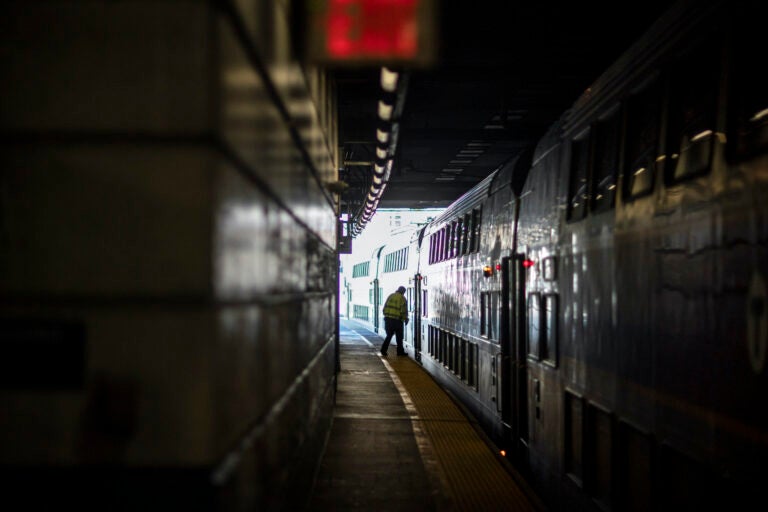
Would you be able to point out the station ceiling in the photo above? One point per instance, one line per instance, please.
(504, 72)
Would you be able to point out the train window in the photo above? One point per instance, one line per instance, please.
(424, 303)
(599, 430)
(454, 238)
(471, 233)
(606, 162)
(483, 314)
(468, 363)
(460, 236)
(549, 330)
(473, 354)
(360, 312)
(489, 315)
(476, 220)
(691, 114)
(534, 324)
(441, 346)
(634, 452)
(431, 337)
(432, 248)
(748, 119)
(453, 362)
(456, 228)
(457, 356)
(447, 236)
(577, 190)
(361, 269)
(446, 349)
(642, 140)
(465, 234)
(441, 245)
(463, 360)
(574, 437)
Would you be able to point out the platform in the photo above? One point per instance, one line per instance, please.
(400, 443)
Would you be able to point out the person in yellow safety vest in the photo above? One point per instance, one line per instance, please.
(395, 316)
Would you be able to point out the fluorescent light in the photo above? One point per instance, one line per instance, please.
(385, 111)
(381, 136)
(388, 80)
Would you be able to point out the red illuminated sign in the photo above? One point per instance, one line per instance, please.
(366, 31)
(372, 28)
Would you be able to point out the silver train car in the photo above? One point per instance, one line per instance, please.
(599, 303)
(168, 257)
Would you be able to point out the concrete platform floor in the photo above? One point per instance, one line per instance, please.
(381, 454)
(372, 461)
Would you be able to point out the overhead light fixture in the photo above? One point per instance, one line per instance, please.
(378, 169)
(382, 136)
(381, 153)
(389, 80)
(377, 179)
(385, 111)
(452, 170)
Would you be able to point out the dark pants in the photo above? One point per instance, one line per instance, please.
(393, 327)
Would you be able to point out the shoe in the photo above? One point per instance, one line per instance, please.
(383, 354)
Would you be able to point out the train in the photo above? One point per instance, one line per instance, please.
(598, 302)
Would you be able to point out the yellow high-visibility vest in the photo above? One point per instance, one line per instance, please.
(396, 307)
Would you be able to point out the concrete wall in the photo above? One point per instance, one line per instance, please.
(167, 254)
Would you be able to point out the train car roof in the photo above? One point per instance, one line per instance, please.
(511, 173)
(467, 201)
(637, 64)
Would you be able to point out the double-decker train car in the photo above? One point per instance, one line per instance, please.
(374, 278)
(599, 304)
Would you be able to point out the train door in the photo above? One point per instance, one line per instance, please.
(376, 305)
(416, 319)
(514, 379)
